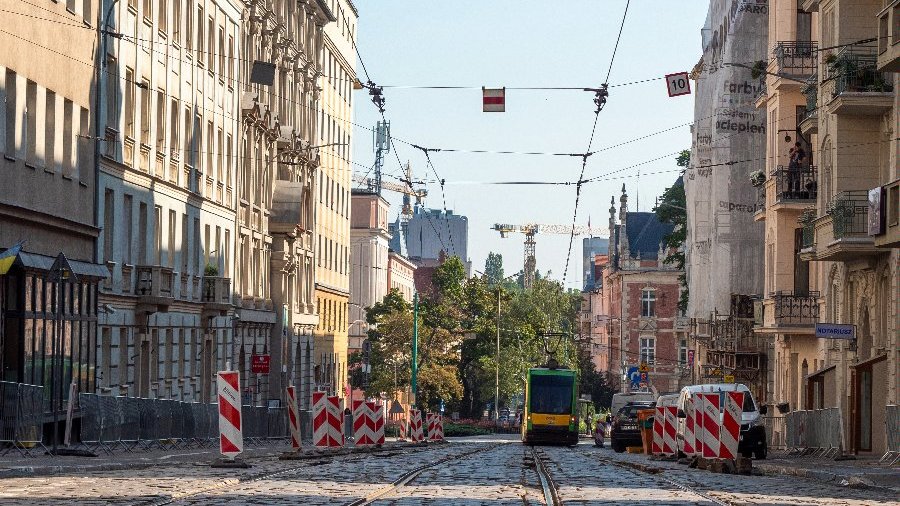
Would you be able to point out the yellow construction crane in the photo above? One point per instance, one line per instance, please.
(532, 229)
(405, 188)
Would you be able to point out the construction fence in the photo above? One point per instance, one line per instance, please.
(892, 433)
(815, 432)
(109, 423)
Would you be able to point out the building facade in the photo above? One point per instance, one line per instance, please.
(640, 323)
(401, 275)
(431, 232)
(332, 206)
(590, 248)
(850, 233)
(369, 263)
(47, 199)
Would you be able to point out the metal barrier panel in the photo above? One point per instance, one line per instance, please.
(212, 411)
(148, 429)
(91, 418)
(173, 411)
(111, 423)
(188, 431)
(9, 401)
(29, 425)
(131, 419)
(201, 421)
(892, 428)
(775, 432)
(163, 419)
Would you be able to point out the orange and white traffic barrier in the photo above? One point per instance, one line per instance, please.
(293, 417)
(730, 431)
(698, 424)
(670, 420)
(416, 434)
(376, 414)
(439, 427)
(709, 412)
(327, 421)
(231, 437)
(402, 435)
(689, 443)
(656, 445)
(363, 424)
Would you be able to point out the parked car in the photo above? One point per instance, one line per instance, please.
(752, 442)
(619, 400)
(625, 431)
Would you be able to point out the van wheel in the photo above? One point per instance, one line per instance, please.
(747, 454)
(618, 448)
(761, 453)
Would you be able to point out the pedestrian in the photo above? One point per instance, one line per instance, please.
(797, 159)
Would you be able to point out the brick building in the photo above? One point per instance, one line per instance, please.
(639, 321)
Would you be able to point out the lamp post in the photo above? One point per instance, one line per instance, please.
(497, 356)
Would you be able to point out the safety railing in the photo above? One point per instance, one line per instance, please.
(796, 58)
(796, 308)
(776, 433)
(131, 423)
(855, 69)
(21, 418)
(892, 435)
(850, 213)
(795, 183)
(817, 432)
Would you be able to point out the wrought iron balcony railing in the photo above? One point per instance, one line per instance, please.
(796, 309)
(795, 183)
(849, 212)
(808, 235)
(797, 58)
(855, 69)
(811, 90)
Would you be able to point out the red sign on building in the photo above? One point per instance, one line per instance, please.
(259, 364)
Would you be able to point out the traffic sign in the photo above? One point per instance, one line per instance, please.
(729, 378)
(644, 367)
(678, 84)
(633, 376)
(493, 99)
(645, 377)
(259, 364)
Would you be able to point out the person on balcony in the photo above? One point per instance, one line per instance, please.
(795, 165)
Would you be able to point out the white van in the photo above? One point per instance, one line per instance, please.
(752, 442)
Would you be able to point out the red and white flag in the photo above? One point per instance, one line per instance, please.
(493, 99)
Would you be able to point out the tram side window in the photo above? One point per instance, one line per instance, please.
(551, 394)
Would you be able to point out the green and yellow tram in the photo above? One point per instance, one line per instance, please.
(551, 407)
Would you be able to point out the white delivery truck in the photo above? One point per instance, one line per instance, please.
(752, 442)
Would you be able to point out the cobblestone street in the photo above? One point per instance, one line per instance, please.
(468, 472)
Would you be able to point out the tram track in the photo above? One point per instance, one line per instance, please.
(548, 485)
(409, 476)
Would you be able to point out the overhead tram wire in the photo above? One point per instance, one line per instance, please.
(600, 100)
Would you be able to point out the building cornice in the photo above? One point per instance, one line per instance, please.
(46, 220)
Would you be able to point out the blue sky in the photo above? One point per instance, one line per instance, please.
(528, 43)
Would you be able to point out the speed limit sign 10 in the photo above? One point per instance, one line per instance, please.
(678, 84)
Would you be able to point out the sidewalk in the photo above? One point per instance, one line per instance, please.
(14, 465)
(862, 472)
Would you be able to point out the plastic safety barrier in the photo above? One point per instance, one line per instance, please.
(816, 432)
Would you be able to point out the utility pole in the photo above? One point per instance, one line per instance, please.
(497, 372)
(415, 352)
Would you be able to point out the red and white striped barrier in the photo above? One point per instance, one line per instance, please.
(416, 434)
(656, 444)
(430, 427)
(709, 413)
(293, 417)
(327, 421)
(402, 435)
(698, 424)
(440, 427)
(670, 414)
(689, 443)
(363, 424)
(730, 431)
(377, 417)
(231, 437)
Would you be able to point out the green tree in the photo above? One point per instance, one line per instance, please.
(493, 268)
(672, 208)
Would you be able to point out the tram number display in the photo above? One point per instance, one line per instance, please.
(678, 84)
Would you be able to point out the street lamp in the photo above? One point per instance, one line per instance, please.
(497, 358)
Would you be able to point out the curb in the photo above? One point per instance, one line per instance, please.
(840, 480)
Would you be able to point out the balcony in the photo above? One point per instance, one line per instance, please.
(857, 87)
(889, 37)
(795, 185)
(796, 58)
(808, 122)
(842, 234)
(216, 294)
(794, 310)
(154, 287)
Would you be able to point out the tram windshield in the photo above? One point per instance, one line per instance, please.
(551, 394)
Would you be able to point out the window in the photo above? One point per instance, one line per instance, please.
(648, 303)
(176, 20)
(173, 217)
(162, 15)
(188, 28)
(175, 142)
(157, 234)
(127, 210)
(221, 53)
(145, 112)
(185, 256)
(208, 144)
(108, 224)
(200, 19)
(160, 122)
(112, 93)
(210, 44)
(30, 126)
(129, 103)
(9, 109)
(147, 10)
(229, 160)
(682, 352)
(229, 65)
(220, 158)
(50, 132)
(648, 350)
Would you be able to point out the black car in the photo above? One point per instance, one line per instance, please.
(625, 430)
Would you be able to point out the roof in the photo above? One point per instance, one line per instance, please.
(44, 263)
(645, 234)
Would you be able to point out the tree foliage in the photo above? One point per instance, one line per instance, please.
(672, 208)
